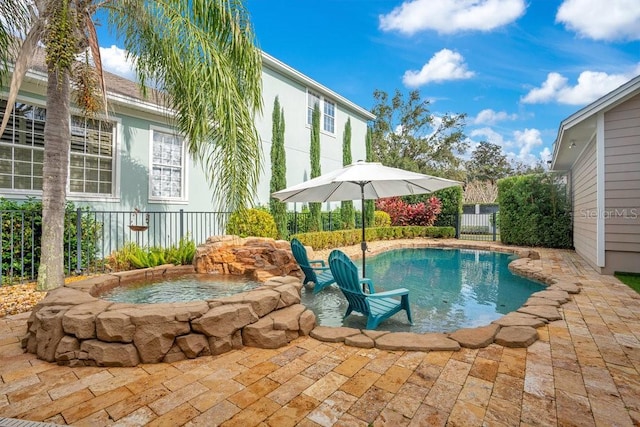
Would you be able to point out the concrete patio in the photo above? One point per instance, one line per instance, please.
(584, 371)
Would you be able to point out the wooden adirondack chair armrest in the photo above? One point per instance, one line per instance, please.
(317, 261)
(394, 293)
(369, 283)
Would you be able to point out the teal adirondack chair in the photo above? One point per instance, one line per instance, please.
(320, 276)
(376, 306)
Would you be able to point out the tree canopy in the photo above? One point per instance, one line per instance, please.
(488, 163)
(407, 135)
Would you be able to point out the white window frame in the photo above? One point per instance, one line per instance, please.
(74, 196)
(114, 163)
(326, 116)
(183, 199)
(322, 103)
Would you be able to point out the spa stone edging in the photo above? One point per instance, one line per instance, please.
(515, 329)
(71, 326)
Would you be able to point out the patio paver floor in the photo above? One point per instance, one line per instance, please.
(584, 370)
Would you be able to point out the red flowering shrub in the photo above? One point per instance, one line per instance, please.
(402, 213)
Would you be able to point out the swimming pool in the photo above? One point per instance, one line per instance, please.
(190, 287)
(449, 289)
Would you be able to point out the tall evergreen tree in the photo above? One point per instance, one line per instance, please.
(278, 169)
(314, 208)
(346, 209)
(369, 205)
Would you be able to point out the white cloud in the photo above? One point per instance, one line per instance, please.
(489, 135)
(602, 20)
(520, 146)
(526, 141)
(444, 65)
(490, 117)
(115, 61)
(591, 85)
(451, 16)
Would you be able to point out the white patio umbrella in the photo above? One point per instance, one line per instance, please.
(365, 181)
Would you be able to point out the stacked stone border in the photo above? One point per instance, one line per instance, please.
(71, 326)
(515, 329)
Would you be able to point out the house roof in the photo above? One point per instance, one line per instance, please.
(125, 91)
(575, 132)
(119, 89)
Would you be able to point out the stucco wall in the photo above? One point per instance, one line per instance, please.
(293, 99)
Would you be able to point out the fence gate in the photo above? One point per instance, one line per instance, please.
(480, 222)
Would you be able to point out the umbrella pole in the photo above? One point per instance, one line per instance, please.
(363, 243)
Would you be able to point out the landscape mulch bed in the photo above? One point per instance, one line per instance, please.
(15, 299)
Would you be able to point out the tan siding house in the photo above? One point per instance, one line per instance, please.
(584, 201)
(600, 147)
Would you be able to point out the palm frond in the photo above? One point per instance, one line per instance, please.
(97, 59)
(20, 68)
(202, 54)
(13, 28)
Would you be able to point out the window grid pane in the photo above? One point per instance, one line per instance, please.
(329, 116)
(22, 148)
(168, 166)
(22, 151)
(91, 146)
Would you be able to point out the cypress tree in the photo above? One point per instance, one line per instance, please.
(369, 205)
(347, 213)
(314, 208)
(278, 169)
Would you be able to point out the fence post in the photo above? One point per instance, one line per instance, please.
(295, 222)
(494, 225)
(458, 225)
(78, 240)
(182, 224)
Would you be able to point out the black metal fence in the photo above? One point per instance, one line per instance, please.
(92, 236)
(479, 227)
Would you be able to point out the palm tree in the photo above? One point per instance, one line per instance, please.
(199, 54)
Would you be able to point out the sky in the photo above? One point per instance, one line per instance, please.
(516, 68)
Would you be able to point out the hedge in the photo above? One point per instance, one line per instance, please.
(333, 239)
(535, 210)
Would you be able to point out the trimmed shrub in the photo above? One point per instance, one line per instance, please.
(451, 199)
(535, 210)
(451, 204)
(381, 219)
(252, 222)
(401, 213)
(334, 239)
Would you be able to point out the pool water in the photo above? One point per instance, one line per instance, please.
(449, 289)
(191, 287)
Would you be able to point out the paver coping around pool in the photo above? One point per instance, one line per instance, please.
(515, 329)
(268, 317)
